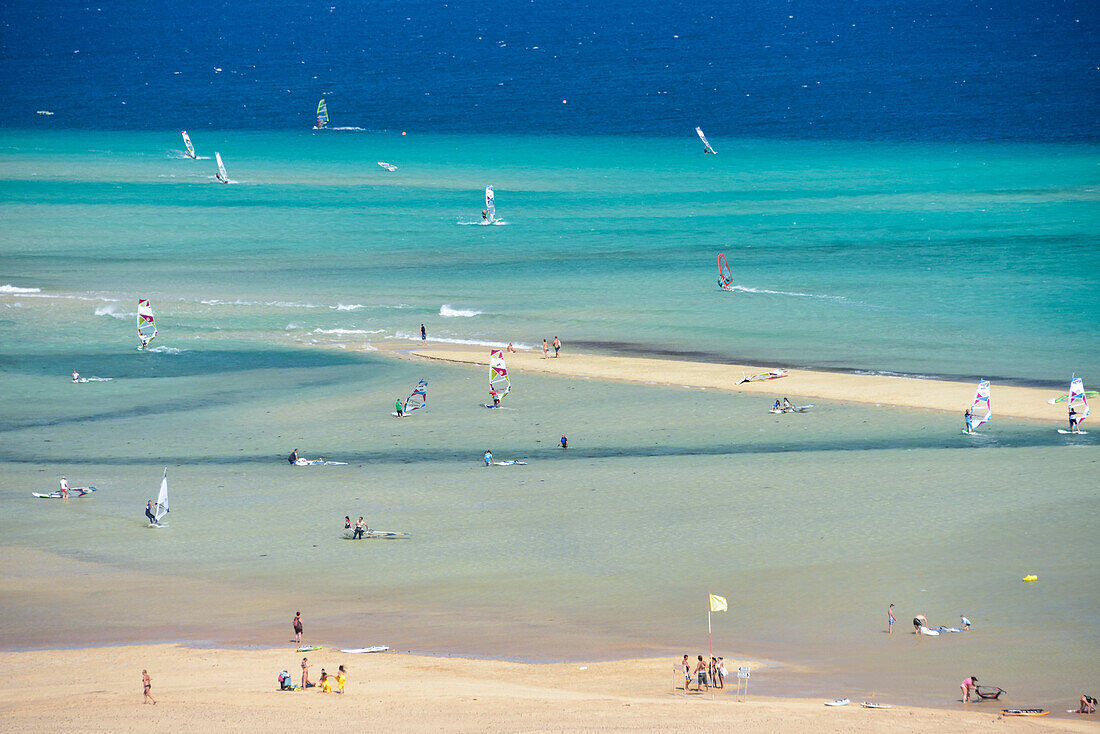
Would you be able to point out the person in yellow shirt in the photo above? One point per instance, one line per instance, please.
(326, 682)
(341, 679)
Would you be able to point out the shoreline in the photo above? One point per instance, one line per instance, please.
(948, 396)
(195, 687)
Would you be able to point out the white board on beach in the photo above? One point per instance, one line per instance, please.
(743, 671)
(376, 648)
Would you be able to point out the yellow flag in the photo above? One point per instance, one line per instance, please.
(718, 603)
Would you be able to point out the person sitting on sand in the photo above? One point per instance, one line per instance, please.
(777, 407)
(787, 404)
(1088, 704)
(341, 679)
(968, 685)
(511, 348)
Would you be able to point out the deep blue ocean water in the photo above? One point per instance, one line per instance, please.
(927, 70)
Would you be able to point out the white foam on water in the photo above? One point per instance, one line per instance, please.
(166, 350)
(450, 340)
(9, 288)
(114, 311)
(348, 307)
(447, 312)
(747, 289)
(348, 331)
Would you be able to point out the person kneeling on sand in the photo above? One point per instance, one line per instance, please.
(326, 682)
(1088, 704)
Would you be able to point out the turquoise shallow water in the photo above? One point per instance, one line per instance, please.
(974, 260)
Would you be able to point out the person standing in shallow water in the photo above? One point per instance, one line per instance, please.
(890, 618)
(423, 333)
(297, 624)
(557, 346)
(564, 441)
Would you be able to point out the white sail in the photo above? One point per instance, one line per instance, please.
(1078, 400)
(490, 204)
(980, 409)
(187, 142)
(706, 145)
(162, 498)
(146, 326)
(222, 175)
(499, 384)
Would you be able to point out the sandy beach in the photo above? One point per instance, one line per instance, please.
(901, 392)
(99, 689)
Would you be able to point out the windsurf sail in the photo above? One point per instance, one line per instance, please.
(1078, 401)
(162, 499)
(147, 328)
(770, 375)
(418, 399)
(725, 276)
(322, 114)
(222, 175)
(187, 142)
(490, 204)
(980, 410)
(706, 145)
(499, 384)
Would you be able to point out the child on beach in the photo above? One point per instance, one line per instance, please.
(326, 682)
(147, 683)
(545, 350)
(341, 679)
(965, 622)
(967, 686)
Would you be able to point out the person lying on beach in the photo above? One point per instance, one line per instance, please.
(1088, 704)
(967, 686)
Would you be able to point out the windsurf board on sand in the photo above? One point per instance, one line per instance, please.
(308, 648)
(376, 648)
(350, 535)
(509, 462)
(928, 631)
(1064, 432)
(1024, 712)
(872, 705)
(792, 409)
(838, 702)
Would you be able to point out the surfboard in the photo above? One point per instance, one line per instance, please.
(308, 648)
(947, 629)
(376, 648)
(838, 702)
(929, 631)
(509, 462)
(73, 492)
(1064, 432)
(1024, 712)
(870, 705)
(350, 535)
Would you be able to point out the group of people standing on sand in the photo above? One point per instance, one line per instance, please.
(707, 675)
(546, 348)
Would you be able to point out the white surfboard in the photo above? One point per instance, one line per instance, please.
(838, 702)
(929, 631)
(376, 648)
(1064, 432)
(872, 705)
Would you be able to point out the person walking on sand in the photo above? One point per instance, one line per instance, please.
(557, 346)
(297, 624)
(305, 674)
(423, 333)
(687, 672)
(890, 619)
(701, 675)
(545, 350)
(147, 684)
(967, 686)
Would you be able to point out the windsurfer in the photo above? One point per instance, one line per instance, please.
(969, 421)
(484, 216)
(400, 408)
(149, 513)
(1073, 428)
(293, 458)
(496, 398)
(360, 527)
(564, 441)
(488, 457)
(787, 404)
(76, 376)
(64, 488)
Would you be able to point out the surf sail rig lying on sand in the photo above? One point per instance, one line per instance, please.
(187, 143)
(980, 410)
(162, 501)
(322, 114)
(146, 327)
(770, 375)
(706, 145)
(490, 204)
(499, 384)
(1078, 402)
(222, 175)
(725, 275)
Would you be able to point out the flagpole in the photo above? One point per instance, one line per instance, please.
(710, 638)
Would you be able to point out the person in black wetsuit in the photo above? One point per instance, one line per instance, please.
(149, 513)
(564, 441)
(293, 458)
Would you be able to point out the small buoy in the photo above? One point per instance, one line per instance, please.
(1031, 577)
(402, 132)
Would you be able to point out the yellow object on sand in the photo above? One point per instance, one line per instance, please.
(340, 680)
(1031, 577)
(326, 687)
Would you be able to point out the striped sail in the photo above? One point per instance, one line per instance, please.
(1078, 400)
(499, 384)
(146, 326)
(322, 113)
(980, 409)
(490, 203)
